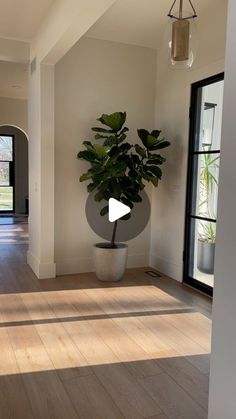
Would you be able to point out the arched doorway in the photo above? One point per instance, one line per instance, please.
(14, 182)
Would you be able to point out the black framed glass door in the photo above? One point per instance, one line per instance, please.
(202, 182)
(6, 174)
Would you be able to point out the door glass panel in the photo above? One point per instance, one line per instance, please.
(6, 148)
(202, 194)
(211, 102)
(206, 175)
(6, 198)
(4, 173)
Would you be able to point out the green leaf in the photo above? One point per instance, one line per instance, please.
(125, 129)
(121, 138)
(143, 134)
(140, 150)
(155, 157)
(156, 133)
(135, 160)
(99, 196)
(86, 155)
(101, 151)
(85, 176)
(125, 183)
(127, 201)
(154, 181)
(126, 217)
(155, 170)
(160, 145)
(142, 186)
(151, 141)
(104, 210)
(102, 130)
(115, 120)
(109, 142)
(114, 151)
(99, 136)
(92, 186)
(118, 169)
(137, 198)
(156, 161)
(104, 185)
(124, 148)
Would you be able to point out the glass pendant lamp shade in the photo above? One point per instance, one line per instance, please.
(181, 37)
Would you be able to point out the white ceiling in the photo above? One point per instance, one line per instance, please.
(13, 80)
(141, 22)
(20, 19)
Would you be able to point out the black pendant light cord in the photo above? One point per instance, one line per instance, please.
(176, 17)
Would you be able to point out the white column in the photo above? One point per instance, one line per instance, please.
(41, 171)
(65, 23)
(222, 401)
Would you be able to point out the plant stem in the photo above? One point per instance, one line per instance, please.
(114, 234)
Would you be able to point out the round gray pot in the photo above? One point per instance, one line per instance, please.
(110, 263)
(206, 257)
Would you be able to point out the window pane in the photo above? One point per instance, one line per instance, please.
(4, 174)
(6, 199)
(202, 251)
(205, 188)
(210, 117)
(6, 148)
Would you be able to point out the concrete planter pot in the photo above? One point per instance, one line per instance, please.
(206, 257)
(110, 263)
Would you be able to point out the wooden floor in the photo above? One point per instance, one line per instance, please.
(77, 348)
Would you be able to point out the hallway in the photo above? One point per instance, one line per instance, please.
(14, 233)
(73, 346)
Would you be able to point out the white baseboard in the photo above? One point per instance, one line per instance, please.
(41, 270)
(83, 265)
(168, 268)
(74, 266)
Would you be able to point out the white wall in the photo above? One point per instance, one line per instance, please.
(14, 112)
(172, 116)
(93, 78)
(223, 366)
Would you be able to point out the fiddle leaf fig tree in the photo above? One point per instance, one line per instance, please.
(119, 169)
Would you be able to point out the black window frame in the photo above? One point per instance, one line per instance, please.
(194, 117)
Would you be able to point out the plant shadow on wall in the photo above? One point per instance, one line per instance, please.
(119, 170)
(207, 203)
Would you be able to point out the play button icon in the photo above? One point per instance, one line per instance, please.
(117, 210)
(127, 230)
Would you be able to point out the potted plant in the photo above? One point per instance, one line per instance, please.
(207, 230)
(120, 170)
(206, 247)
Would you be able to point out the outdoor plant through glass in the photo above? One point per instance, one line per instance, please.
(118, 168)
(208, 195)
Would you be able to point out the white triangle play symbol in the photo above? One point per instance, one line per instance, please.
(117, 210)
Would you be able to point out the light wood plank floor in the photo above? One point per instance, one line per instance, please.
(77, 348)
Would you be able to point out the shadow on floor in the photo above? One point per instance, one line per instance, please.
(165, 388)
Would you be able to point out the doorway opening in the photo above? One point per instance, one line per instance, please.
(13, 185)
(202, 182)
(7, 171)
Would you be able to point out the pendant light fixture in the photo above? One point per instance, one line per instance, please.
(182, 35)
